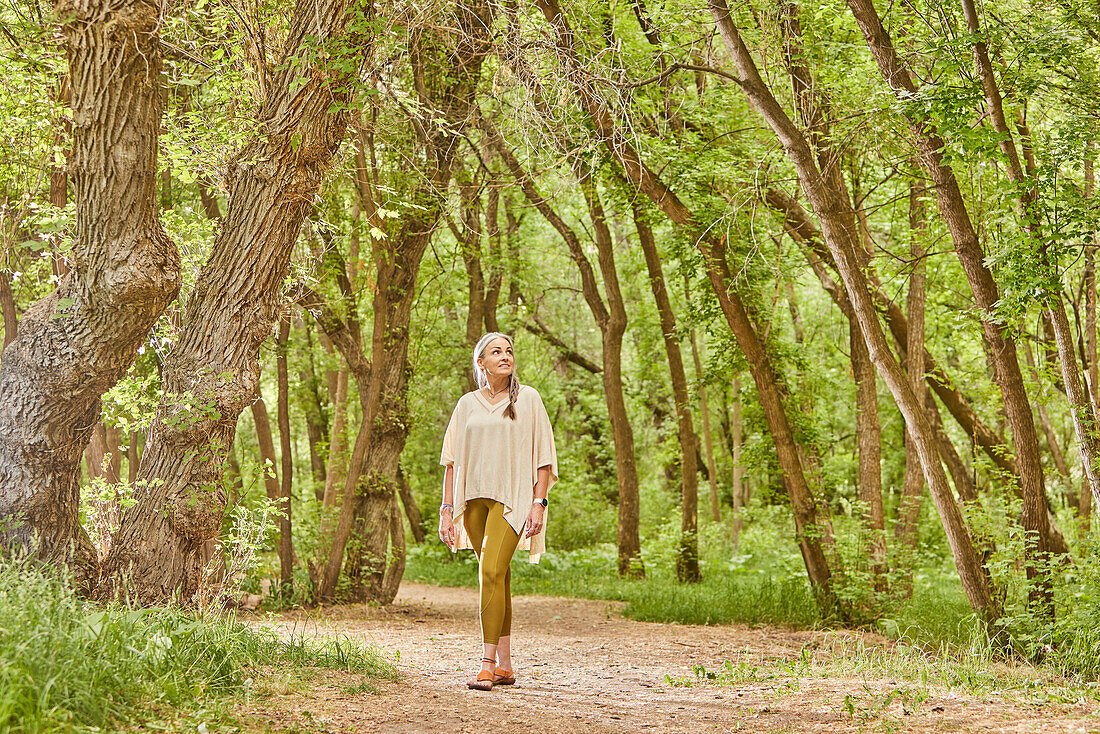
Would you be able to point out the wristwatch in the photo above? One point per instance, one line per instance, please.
(544, 502)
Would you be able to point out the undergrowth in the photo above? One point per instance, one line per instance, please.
(70, 665)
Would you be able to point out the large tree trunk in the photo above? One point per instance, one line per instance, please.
(77, 342)
(687, 564)
(839, 228)
(212, 374)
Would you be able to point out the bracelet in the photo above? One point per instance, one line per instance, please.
(446, 506)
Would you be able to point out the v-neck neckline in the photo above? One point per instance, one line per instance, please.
(491, 407)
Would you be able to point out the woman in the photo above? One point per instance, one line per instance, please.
(501, 462)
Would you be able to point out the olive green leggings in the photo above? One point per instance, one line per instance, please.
(494, 541)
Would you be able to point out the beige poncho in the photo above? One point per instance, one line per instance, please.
(499, 458)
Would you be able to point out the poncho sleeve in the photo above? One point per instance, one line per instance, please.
(545, 453)
(450, 438)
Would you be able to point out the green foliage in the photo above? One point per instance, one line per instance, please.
(66, 664)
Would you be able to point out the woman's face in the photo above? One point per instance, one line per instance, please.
(498, 359)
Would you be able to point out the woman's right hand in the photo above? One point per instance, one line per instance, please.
(447, 528)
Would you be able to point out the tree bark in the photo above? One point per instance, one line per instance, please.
(687, 563)
(839, 228)
(285, 546)
(213, 372)
(77, 342)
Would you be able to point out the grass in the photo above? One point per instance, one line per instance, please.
(745, 597)
(69, 665)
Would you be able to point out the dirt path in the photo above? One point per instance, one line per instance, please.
(581, 667)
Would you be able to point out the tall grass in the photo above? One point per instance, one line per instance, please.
(67, 664)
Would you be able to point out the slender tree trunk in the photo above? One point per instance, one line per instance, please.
(1084, 507)
(412, 512)
(446, 81)
(7, 306)
(610, 317)
(286, 542)
(912, 492)
(809, 529)
(235, 302)
(687, 564)
(708, 438)
(268, 459)
(799, 226)
(77, 342)
(840, 233)
(315, 418)
(1001, 347)
(736, 441)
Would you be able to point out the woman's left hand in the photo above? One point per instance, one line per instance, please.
(535, 521)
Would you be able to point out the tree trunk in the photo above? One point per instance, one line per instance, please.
(264, 437)
(1084, 507)
(613, 327)
(912, 493)
(799, 226)
(412, 512)
(446, 81)
(687, 564)
(736, 440)
(1001, 347)
(611, 320)
(315, 418)
(235, 304)
(77, 342)
(839, 228)
(708, 438)
(286, 543)
(809, 530)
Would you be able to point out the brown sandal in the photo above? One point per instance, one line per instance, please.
(484, 680)
(504, 677)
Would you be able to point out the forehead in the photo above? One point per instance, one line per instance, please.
(498, 343)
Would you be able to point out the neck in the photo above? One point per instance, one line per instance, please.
(498, 384)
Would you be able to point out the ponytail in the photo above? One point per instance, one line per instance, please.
(513, 395)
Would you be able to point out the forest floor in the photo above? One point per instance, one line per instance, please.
(582, 667)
